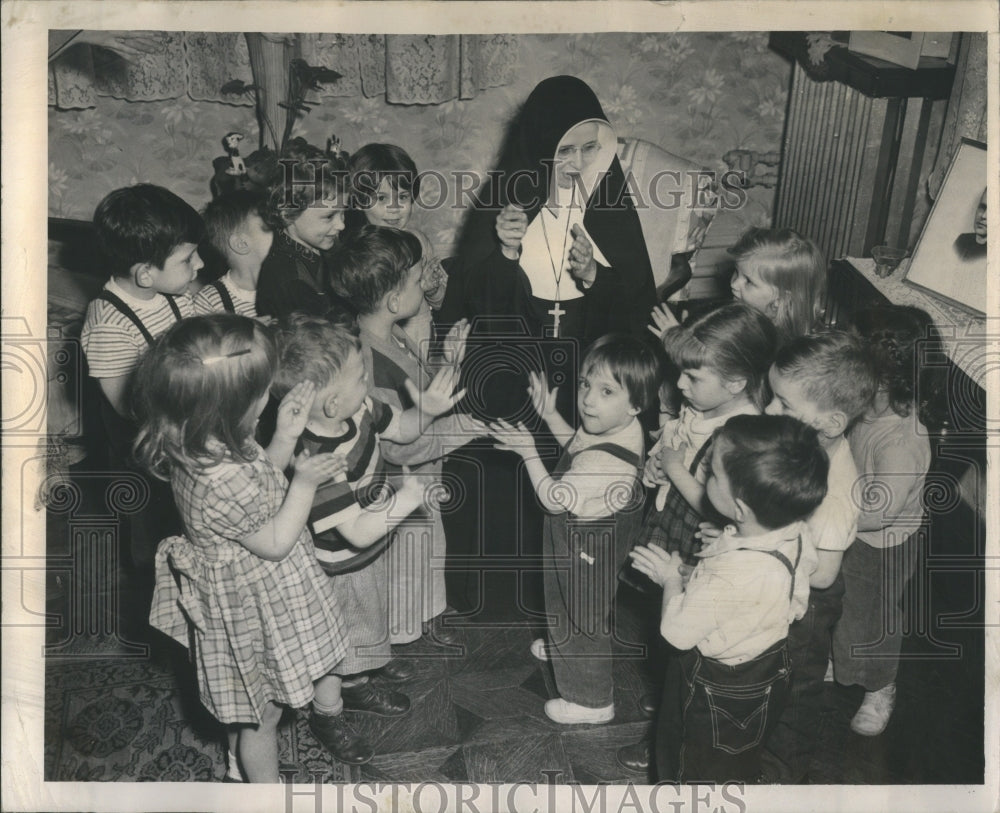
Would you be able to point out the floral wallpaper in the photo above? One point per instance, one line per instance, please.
(697, 95)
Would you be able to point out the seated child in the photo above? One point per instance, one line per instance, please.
(384, 185)
(378, 271)
(235, 228)
(827, 382)
(150, 238)
(305, 206)
(351, 517)
(892, 451)
(722, 694)
(592, 510)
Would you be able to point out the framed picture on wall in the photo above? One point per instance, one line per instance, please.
(950, 257)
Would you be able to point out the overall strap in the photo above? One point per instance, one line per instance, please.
(777, 554)
(699, 456)
(118, 303)
(227, 300)
(614, 450)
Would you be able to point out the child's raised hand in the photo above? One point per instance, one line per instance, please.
(293, 411)
(661, 567)
(319, 468)
(582, 264)
(512, 223)
(515, 439)
(453, 347)
(440, 395)
(663, 320)
(543, 399)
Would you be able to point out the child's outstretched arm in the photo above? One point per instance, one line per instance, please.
(518, 439)
(278, 536)
(438, 398)
(293, 414)
(685, 619)
(544, 401)
(369, 525)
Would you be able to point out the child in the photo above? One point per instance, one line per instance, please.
(305, 207)
(384, 184)
(244, 585)
(150, 239)
(827, 382)
(592, 510)
(723, 359)
(236, 230)
(892, 452)
(378, 271)
(780, 273)
(351, 518)
(731, 618)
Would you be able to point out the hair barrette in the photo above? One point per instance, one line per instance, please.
(208, 361)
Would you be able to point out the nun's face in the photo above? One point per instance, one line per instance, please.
(576, 152)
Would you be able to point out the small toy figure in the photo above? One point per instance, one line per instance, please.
(231, 142)
(335, 149)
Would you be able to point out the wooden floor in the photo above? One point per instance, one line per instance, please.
(120, 704)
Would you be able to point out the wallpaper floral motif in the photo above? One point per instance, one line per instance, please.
(697, 95)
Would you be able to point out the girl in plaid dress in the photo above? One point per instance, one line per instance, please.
(243, 590)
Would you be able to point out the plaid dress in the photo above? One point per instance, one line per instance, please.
(258, 631)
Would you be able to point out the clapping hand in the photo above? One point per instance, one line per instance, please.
(319, 468)
(453, 346)
(661, 567)
(440, 395)
(543, 399)
(663, 320)
(510, 438)
(512, 223)
(293, 411)
(582, 264)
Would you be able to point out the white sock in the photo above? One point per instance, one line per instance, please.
(327, 711)
(233, 768)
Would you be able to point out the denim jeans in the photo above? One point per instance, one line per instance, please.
(789, 748)
(714, 718)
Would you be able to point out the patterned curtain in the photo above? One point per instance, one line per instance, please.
(405, 69)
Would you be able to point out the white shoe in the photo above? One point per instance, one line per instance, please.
(828, 677)
(562, 711)
(875, 711)
(540, 649)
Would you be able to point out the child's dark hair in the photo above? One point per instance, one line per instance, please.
(374, 163)
(737, 341)
(144, 224)
(196, 387)
(374, 261)
(833, 370)
(775, 464)
(795, 266)
(897, 337)
(631, 363)
(227, 214)
(311, 349)
(305, 176)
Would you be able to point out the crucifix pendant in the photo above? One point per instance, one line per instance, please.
(556, 312)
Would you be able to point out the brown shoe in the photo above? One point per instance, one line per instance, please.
(436, 633)
(398, 670)
(339, 740)
(375, 700)
(649, 703)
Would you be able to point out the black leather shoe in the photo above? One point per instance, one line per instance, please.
(375, 700)
(398, 670)
(634, 757)
(339, 740)
(439, 635)
(648, 704)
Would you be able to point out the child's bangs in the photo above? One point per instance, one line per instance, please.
(686, 350)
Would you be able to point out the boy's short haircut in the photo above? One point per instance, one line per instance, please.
(833, 370)
(144, 224)
(632, 363)
(775, 464)
(228, 214)
(370, 264)
(311, 349)
(375, 162)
